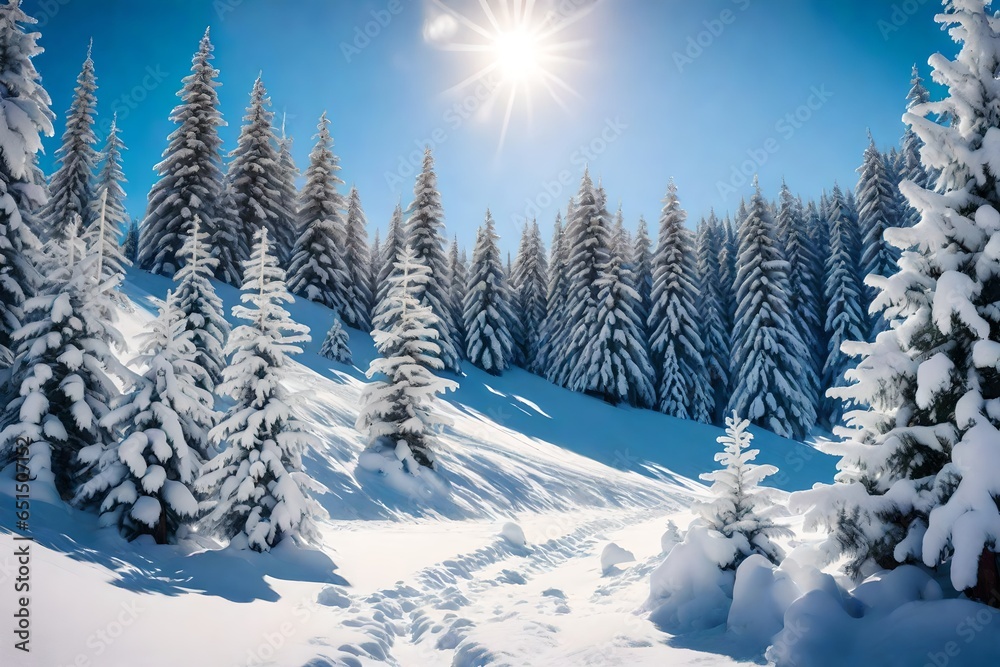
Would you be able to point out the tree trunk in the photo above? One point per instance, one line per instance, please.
(160, 532)
(987, 588)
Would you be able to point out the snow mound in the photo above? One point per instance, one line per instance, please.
(513, 534)
(689, 590)
(613, 555)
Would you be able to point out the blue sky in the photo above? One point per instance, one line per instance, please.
(661, 89)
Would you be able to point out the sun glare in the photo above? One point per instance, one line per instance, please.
(517, 55)
(526, 50)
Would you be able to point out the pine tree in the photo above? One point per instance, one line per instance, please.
(130, 245)
(588, 250)
(228, 243)
(803, 266)
(919, 467)
(394, 239)
(642, 267)
(877, 211)
(616, 361)
(458, 277)
(255, 175)
(676, 346)
(397, 414)
(286, 229)
(25, 115)
(317, 271)
(374, 266)
(767, 352)
(530, 283)
(487, 305)
(357, 262)
(912, 168)
(63, 370)
(144, 481)
(713, 332)
(201, 308)
(845, 315)
(258, 491)
(556, 303)
(190, 177)
(336, 346)
(108, 216)
(740, 506)
(423, 231)
(71, 190)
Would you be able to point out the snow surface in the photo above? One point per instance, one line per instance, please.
(437, 579)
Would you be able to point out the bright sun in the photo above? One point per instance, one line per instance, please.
(518, 55)
(524, 49)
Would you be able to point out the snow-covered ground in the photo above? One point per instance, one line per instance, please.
(435, 580)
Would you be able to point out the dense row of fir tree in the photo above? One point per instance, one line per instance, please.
(885, 295)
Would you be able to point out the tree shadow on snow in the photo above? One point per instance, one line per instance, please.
(145, 567)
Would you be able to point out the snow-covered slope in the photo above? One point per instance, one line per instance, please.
(399, 579)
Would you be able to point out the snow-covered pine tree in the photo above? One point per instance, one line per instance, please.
(919, 467)
(740, 506)
(130, 244)
(487, 311)
(317, 271)
(190, 177)
(711, 308)
(912, 168)
(768, 355)
(25, 115)
(642, 267)
(287, 228)
(71, 189)
(374, 266)
(62, 370)
(108, 216)
(337, 345)
(458, 276)
(201, 308)
(877, 211)
(394, 238)
(423, 231)
(803, 266)
(588, 249)
(556, 303)
(144, 481)
(355, 253)
(615, 359)
(728, 254)
(397, 410)
(258, 491)
(228, 244)
(530, 282)
(845, 314)
(255, 175)
(676, 346)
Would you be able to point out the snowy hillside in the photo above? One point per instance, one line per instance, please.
(403, 580)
